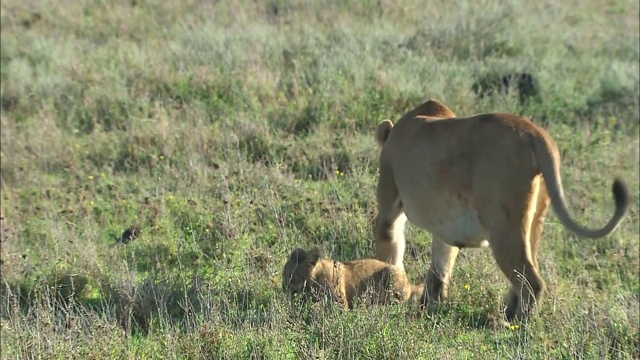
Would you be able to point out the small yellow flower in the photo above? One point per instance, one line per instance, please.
(514, 327)
(77, 146)
(91, 202)
(467, 287)
(206, 230)
(90, 177)
(484, 348)
(161, 157)
(224, 255)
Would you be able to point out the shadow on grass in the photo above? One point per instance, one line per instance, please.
(139, 307)
(467, 317)
(132, 306)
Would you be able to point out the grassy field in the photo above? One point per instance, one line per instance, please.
(233, 132)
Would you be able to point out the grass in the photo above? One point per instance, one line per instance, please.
(233, 132)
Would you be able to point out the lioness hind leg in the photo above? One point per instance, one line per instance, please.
(443, 259)
(527, 286)
(389, 224)
(537, 223)
(525, 293)
(515, 308)
(510, 219)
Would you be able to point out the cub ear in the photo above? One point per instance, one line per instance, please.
(314, 255)
(298, 256)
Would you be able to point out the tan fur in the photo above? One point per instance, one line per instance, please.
(431, 109)
(485, 180)
(313, 277)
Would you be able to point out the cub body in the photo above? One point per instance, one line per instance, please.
(375, 282)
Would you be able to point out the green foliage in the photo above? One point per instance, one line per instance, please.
(233, 132)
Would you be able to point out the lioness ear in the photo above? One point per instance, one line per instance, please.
(382, 132)
(314, 255)
(298, 256)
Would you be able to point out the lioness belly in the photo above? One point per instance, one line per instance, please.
(457, 226)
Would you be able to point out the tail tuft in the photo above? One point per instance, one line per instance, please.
(621, 195)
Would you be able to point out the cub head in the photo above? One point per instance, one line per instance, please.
(297, 275)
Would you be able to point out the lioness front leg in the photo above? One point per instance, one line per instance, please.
(390, 240)
(443, 259)
(390, 222)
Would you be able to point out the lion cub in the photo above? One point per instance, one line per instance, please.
(314, 277)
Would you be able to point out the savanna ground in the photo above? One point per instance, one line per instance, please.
(232, 132)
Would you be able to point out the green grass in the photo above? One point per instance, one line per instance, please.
(232, 132)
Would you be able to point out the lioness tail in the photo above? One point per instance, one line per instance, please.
(382, 132)
(550, 168)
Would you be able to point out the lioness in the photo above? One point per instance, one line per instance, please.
(485, 180)
(313, 277)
